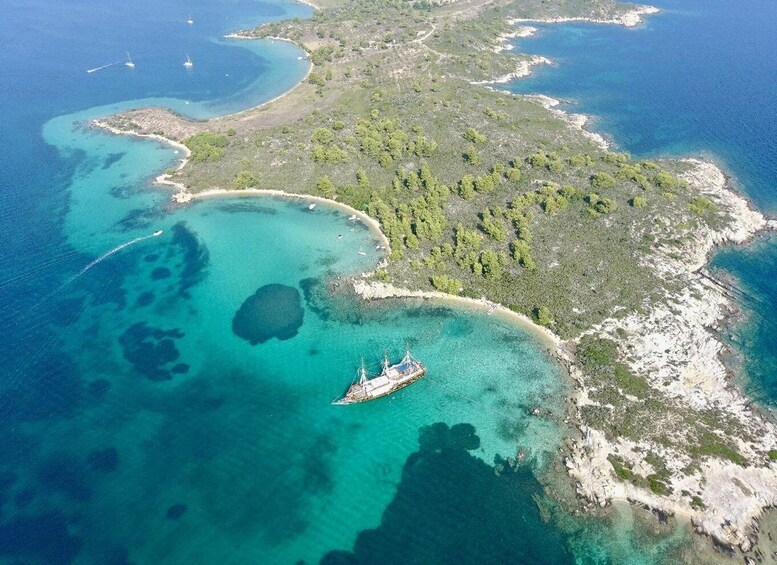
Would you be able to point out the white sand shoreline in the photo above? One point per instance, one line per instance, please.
(378, 291)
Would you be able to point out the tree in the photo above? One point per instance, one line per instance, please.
(206, 146)
(323, 136)
(484, 184)
(543, 317)
(537, 160)
(602, 181)
(473, 136)
(493, 228)
(446, 284)
(316, 79)
(466, 241)
(492, 266)
(513, 174)
(362, 180)
(666, 181)
(466, 187)
(325, 187)
(522, 254)
(244, 179)
(472, 156)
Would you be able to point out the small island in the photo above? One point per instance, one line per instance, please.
(507, 203)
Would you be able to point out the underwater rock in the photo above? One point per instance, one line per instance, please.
(145, 298)
(105, 460)
(176, 511)
(160, 273)
(99, 387)
(149, 349)
(273, 311)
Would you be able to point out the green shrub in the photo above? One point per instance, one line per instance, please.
(702, 206)
(244, 179)
(473, 136)
(602, 181)
(446, 284)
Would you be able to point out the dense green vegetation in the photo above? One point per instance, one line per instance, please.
(206, 146)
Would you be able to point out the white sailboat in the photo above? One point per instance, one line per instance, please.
(188, 63)
(190, 21)
(129, 62)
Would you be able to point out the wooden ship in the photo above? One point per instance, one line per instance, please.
(391, 379)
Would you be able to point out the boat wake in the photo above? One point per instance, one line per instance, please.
(107, 254)
(95, 69)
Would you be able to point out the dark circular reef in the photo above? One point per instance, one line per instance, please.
(272, 311)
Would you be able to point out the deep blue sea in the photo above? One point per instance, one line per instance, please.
(143, 420)
(697, 79)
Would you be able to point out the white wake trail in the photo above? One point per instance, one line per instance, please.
(107, 254)
(95, 69)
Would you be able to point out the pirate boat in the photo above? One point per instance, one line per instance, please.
(391, 379)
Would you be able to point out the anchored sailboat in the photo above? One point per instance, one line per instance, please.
(391, 379)
(188, 63)
(129, 62)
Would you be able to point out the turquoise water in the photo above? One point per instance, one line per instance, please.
(137, 426)
(697, 79)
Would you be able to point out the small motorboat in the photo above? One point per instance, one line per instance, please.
(157, 233)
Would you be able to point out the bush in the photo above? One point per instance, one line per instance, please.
(473, 136)
(325, 187)
(244, 179)
(446, 284)
(323, 136)
(472, 156)
(522, 254)
(537, 160)
(316, 79)
(702, 206)
(602, 181)
(638, 202)
(666, 181)
(543, 317)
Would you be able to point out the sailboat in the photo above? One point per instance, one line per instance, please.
(391, 379)
(188, 64)
(190, 21)
(129, 62)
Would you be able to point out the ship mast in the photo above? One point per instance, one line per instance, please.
(362, 374)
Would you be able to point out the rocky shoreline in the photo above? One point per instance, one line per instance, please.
(632, 18)
(674, 349)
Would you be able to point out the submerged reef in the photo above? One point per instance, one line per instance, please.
(273, 311)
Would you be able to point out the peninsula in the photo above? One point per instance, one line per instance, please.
(504, 200)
